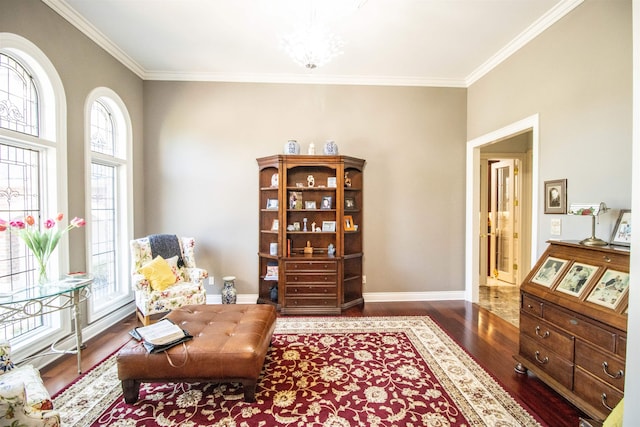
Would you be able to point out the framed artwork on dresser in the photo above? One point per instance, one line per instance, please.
(549, 271)
(611, 289)
(577, 278)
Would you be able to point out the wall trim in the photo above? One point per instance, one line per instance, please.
(368, 297)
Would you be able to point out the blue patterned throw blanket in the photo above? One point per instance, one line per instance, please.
(167, 246)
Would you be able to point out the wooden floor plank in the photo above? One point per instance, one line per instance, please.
(491, 341)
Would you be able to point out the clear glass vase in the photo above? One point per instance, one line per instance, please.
(43, 278)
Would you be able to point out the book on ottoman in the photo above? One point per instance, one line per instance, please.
(160, 336)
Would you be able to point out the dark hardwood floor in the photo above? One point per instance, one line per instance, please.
(489, 339)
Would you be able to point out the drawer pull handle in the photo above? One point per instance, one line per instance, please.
(605, 368)
(543, 361)
(604, 401)
(529, 306)
(545, 335)
(606, 258)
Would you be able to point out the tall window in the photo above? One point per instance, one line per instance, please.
(29, 163)
(109, 191)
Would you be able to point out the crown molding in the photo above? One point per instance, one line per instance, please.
(543, 23)
(62, 8)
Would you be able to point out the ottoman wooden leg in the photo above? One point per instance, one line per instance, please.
(249, 390)
(130, 391)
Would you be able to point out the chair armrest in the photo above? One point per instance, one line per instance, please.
(195, 274)
(140, 283)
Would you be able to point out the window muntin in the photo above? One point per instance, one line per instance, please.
(18, 98)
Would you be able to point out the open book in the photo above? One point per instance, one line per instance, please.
(161, 335)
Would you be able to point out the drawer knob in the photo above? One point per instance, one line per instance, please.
(603, 398)
(545, 335)
(543, 361)
(606, 258)
(529, 306)
(605, 368)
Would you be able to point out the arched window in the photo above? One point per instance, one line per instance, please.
(109, 142)
(32, 153)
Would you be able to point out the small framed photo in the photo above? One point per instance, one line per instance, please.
(576, 279)
(272, 204)
(611, 289)
(555, 196)
(295, 200)
(622, 231)
(549, 271)
(329, 226)
(331, 182)
(326, 202)
(349, 203)
(274, 225)
(348, 223)
(310, 204)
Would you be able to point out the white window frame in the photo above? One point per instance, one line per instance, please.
(124, 194)
(52, 143)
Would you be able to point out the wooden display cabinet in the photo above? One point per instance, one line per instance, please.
(573, 324)
(306, 204)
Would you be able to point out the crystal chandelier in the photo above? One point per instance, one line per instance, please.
(312, 46)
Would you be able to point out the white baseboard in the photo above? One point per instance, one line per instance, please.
(368, 297)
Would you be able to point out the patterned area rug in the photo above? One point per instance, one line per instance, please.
(329, 372)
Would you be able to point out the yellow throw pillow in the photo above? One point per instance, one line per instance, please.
(615, 417)
(158, 273)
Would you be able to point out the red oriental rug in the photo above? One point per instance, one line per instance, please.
(330, 372)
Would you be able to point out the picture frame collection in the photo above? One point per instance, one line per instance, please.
(606, 287)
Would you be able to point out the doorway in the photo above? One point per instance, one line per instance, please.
(501, 176)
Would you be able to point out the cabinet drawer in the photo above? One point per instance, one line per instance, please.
(581, 327)
(310, 266)
(311, 302)
(547, 335)
(311, 278)
(621, 347)
(596, 392)
(603, 365)
(304, 290)
(531, 305)
(543, 358)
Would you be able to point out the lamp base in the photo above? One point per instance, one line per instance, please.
(593, 241)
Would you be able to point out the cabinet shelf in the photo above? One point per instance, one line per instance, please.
(316, 283)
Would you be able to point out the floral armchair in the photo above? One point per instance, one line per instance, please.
(187, 289)
(24, 400)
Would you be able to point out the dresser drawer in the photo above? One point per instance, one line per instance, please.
(621, 347)
(531, 305)
(581, 327)
(597, 393)
(304, 290)
(310, 266)
(543, 358)
(547, 335)
(329, 278)
(311, 302)
(603, 365)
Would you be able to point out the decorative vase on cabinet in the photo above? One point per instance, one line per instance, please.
(229, 292)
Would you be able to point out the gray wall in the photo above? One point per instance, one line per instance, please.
(201, 145)
(82, 67)
(577, 76)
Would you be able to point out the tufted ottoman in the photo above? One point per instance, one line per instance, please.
(229, 344)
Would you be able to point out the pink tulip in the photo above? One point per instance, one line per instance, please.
(78, 222)
(49, 224)
(3, 225)
(17, 224)
(29, 220)
(59, 217)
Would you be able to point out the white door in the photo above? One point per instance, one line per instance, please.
(503, 219)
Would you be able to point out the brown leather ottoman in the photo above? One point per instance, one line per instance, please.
(229, 344)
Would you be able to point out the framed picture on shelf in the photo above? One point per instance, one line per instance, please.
(326, 202)
(548, 272)
(555, 196)
(329, 226)
(310, 204)
(274, 225)
(611, 289)
(576, 279)
(349, 203)
(295, 200)
(272, 204)
(331, 182)
(622, 231)
(348, 223)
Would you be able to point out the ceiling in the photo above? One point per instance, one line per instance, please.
(387, 42)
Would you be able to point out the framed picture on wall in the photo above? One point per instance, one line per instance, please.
(622, 231)
(555, 196)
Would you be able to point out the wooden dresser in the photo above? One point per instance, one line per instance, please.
(573, 323)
